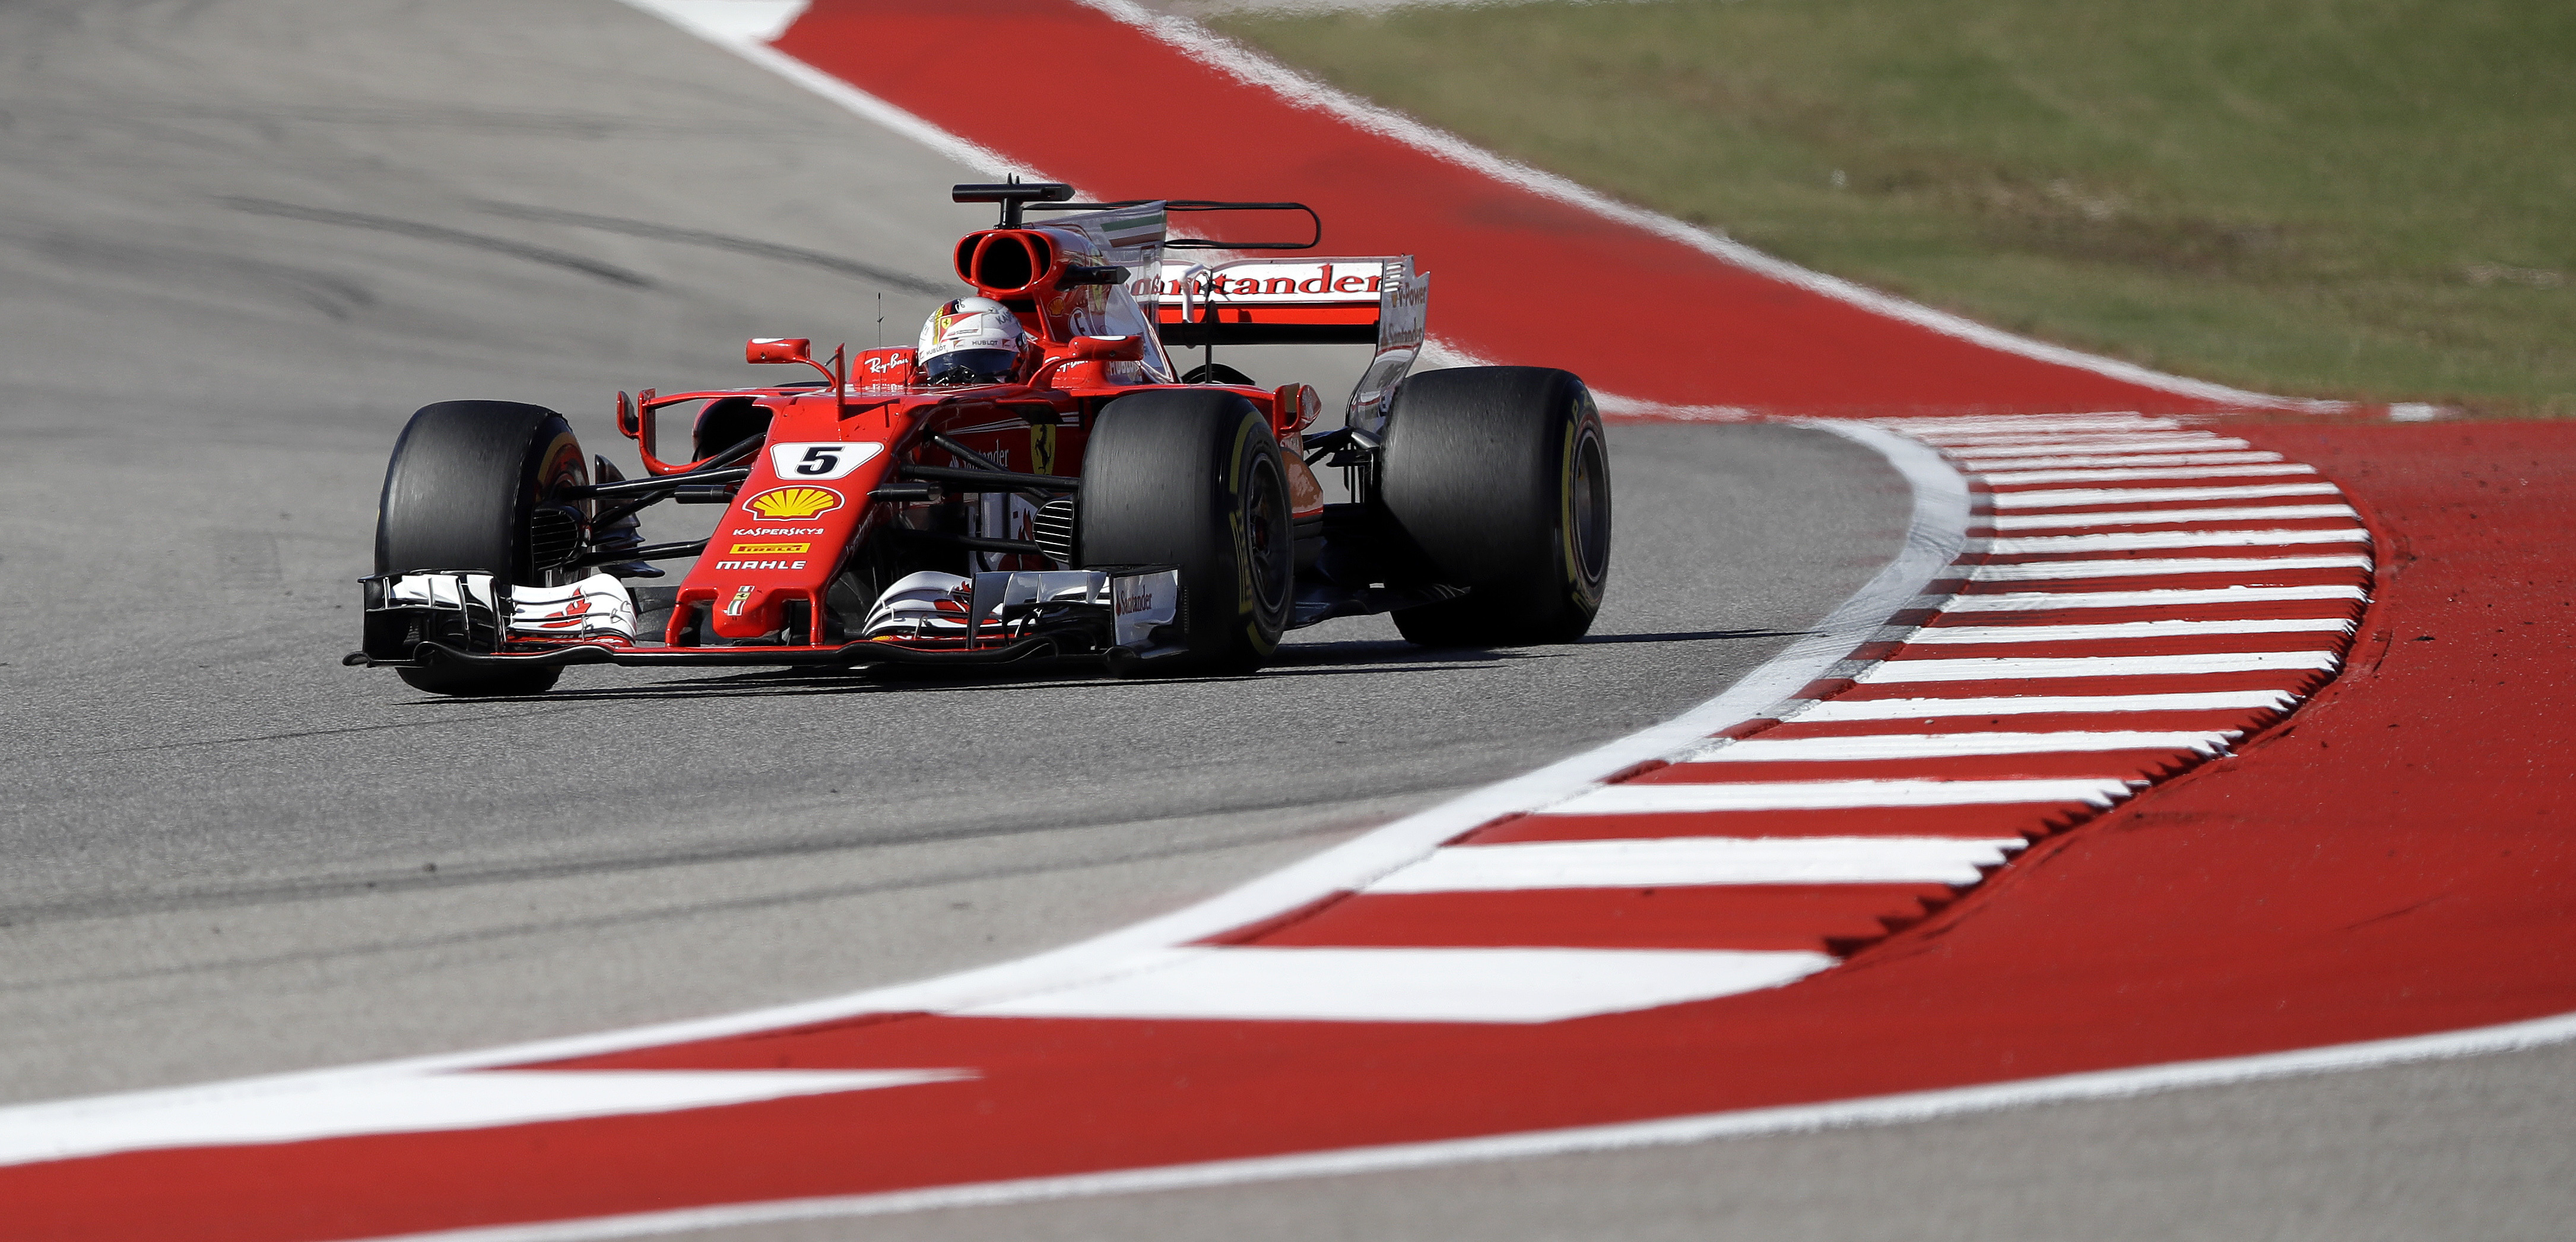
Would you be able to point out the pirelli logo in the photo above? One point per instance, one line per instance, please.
(771, 549)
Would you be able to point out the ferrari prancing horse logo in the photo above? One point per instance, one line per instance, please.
(1042, 448)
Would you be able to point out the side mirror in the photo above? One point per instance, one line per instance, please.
(797, 349)
(789, 349)
(1294, 407)
(1089, 349)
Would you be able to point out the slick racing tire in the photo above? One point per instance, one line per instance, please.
(1192, 480)
(471, 487)
(1499, 477)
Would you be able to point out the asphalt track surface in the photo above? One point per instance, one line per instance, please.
(255, 236)
(249, 236)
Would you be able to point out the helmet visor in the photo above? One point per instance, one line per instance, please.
(972, 366)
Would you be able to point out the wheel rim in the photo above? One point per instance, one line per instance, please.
(1265, 523)
(1588, 507)
(563, 468)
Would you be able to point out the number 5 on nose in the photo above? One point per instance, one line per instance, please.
(820, 461)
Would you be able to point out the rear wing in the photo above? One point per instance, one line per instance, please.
(1369, 301)
(1378, 301)
(1280, 301)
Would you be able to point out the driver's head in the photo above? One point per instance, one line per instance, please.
(971, 341)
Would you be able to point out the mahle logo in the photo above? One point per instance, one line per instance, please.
(780, 504)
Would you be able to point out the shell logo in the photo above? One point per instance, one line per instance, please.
(801, 501)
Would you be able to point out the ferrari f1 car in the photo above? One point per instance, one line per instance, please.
(1082, 497)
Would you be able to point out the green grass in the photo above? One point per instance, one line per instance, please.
(2357, 198)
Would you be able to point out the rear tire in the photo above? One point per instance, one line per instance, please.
(1192, 480)
(471, 488)
(1499, 477)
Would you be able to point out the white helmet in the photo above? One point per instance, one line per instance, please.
(970, 341)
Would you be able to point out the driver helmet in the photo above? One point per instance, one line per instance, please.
(971, 341)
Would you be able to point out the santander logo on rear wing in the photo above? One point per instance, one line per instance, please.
(1275, 301)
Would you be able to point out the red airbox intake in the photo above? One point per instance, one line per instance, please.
(1000, 261)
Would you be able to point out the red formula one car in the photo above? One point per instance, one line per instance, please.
(1037, 479)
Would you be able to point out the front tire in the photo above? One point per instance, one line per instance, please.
(1499, 477)
(472, 487)
(1193, 480)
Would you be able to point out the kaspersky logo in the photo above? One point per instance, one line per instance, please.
(780, 504)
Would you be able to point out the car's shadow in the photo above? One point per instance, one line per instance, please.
(1691, 636)
(1330, 659)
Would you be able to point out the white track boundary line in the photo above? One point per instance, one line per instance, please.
(695, 17)
(1246, 65)
(1904, 1109)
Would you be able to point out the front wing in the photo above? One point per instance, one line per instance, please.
(428, 618)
